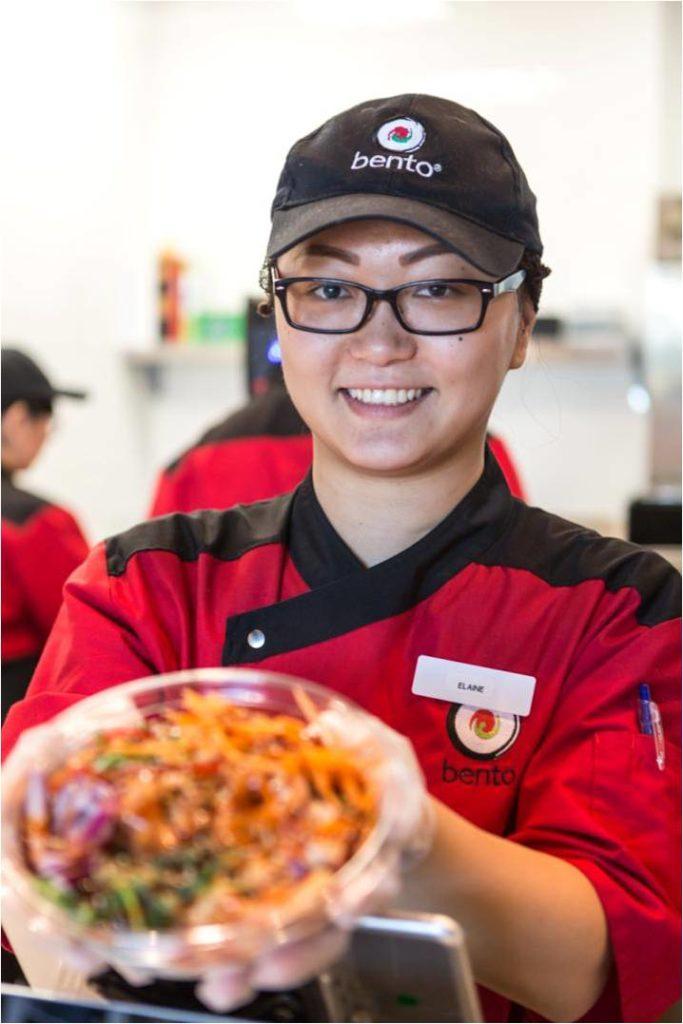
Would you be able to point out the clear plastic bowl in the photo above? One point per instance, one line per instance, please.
(186, 952)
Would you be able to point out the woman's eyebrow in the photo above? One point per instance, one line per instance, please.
(435, 249)
(320, 249)
(324, 250)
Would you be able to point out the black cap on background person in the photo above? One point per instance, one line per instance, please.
(23, 380)
(27, 402)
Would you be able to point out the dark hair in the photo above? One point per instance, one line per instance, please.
(536, 272)
(266, 306)
(37, 407)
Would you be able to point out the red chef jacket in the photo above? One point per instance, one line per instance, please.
(496, 584)
(41, 546)
(262, 450)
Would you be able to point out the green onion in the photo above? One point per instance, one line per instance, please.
(160, 911)
(105, 762)
(131, 905)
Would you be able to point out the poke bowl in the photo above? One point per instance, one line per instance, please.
(202, 818)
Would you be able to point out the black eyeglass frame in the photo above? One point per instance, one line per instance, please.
(489, 290)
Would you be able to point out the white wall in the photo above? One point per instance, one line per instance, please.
(75, 252)
(146, 124)
(574, 85)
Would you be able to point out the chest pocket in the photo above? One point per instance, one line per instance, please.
(628, 789)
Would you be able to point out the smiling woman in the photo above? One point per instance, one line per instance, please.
(505, 643)
(380, 397)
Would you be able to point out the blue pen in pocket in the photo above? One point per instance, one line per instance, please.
(644, 716)
(650, 722)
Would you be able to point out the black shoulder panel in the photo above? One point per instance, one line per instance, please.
(18, 506)
(225, 535)
(565, 554)
(269, 415)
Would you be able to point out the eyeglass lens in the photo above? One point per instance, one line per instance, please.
(433, 306)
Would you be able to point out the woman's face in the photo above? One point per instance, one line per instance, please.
(455, 378)
(23, 436)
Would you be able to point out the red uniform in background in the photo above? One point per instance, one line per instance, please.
(258, 452)
(41, 546)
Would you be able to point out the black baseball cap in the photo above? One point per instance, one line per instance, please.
(417, 160)
(22, 379)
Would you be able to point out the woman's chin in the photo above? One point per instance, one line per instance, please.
(383, 461)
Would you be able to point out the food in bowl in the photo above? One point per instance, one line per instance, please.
(206, 813)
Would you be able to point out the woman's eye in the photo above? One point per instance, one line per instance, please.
(435, 291)
(329, 291)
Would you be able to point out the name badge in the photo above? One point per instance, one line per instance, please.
(474, 685)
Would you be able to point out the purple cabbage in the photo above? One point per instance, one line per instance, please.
(81, 816)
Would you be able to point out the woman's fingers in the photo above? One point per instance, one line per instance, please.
(78, 958)
(225, 988)
(132, 975)
(295, 964)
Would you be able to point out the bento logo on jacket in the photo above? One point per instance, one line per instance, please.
(400, 135)
(481, 733)
(493, 776)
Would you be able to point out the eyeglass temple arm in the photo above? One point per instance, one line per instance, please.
(509, 284)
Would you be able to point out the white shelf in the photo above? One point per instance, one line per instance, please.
(552, 352)
(606, 346)
(155, 362)
(187, 354)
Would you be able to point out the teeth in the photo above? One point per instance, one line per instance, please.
(386, 396)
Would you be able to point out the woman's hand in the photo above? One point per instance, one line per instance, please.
(535, 927)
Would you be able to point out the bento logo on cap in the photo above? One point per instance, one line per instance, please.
(401, 135)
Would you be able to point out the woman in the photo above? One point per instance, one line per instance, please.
(42, 543)
(507, 644)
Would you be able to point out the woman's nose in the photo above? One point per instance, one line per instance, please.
(381, 339)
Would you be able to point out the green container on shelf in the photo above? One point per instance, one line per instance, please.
(213, 328)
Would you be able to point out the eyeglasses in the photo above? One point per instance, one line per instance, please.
(325, 305)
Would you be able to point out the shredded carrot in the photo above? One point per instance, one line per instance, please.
(251, 808)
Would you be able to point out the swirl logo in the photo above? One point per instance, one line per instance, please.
(401, 135)
(481, 733)
(484, 724)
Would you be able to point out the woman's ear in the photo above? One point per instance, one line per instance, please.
(14, 416)
(527, 319)
(13, 419)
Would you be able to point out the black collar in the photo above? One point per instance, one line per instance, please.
(344, 594)
(322, 557)
(318, 552)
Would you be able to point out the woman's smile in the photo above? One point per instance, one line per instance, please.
(385, 403)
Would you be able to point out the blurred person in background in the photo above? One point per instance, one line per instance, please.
(41, 543)
(505, 643)
(257, 452)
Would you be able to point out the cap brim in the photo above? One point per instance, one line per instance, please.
(68, 393)
(489, 252)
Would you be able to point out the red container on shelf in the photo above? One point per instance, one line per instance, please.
(171, 314)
